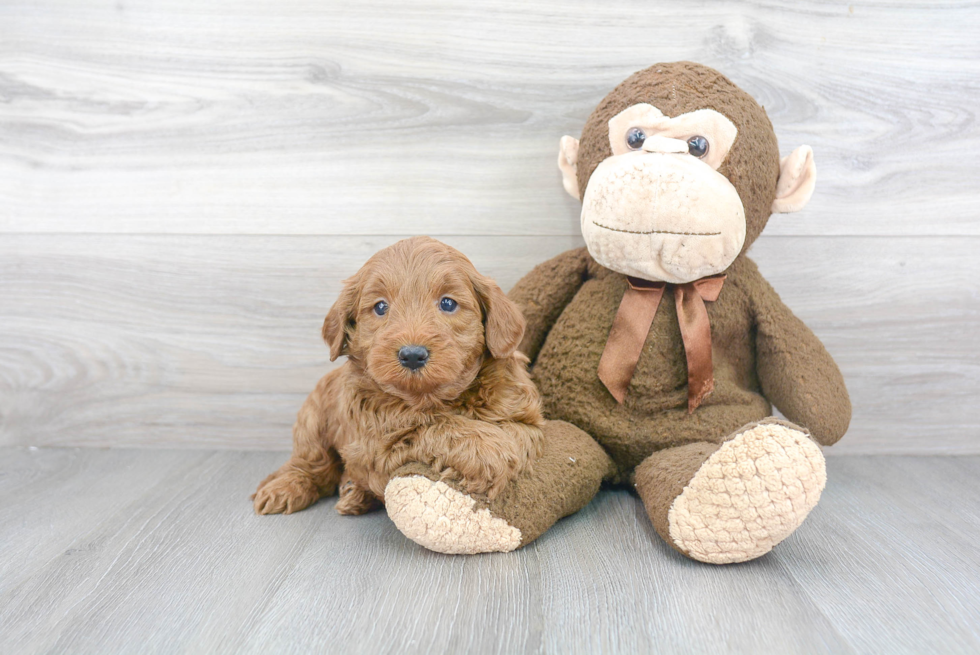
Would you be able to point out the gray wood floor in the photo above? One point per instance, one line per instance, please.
(125, 551)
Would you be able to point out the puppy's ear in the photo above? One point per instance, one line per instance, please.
(504, 323)
(340, 316)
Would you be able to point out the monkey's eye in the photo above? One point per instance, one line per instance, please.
(697, 146)
(635, 138)
(448, 305)
(381, 308)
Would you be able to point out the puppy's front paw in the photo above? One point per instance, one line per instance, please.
(487, 476)
(355, 500)
(284, 493)
(483, 469)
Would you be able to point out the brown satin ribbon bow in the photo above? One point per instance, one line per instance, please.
(632, 324)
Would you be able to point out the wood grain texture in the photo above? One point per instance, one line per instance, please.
(182, 188)
(312, 117)
(177, 562)
(215, 341)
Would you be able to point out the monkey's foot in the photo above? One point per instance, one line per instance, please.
(733, 501)
(438, 517)
(752, 493)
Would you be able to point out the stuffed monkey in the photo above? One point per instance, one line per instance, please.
(659, 349)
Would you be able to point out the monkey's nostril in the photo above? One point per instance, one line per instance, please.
(413, 357)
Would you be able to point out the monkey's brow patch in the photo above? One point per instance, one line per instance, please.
(686, 234)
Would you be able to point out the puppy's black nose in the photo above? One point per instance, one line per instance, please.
(413, 357)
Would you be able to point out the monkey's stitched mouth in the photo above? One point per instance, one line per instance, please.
(686, 234)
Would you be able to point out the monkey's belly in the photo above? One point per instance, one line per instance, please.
(654, 414)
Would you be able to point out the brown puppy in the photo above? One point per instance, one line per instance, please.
(432, 376)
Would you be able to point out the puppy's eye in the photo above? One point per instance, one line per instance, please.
(448, 305)
(635, 138)
(381, 308)
(697, 146)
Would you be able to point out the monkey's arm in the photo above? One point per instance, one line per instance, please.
(796, 372)
(544, 293)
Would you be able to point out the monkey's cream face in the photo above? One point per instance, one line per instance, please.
(658, 208)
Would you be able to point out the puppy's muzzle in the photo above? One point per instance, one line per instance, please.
(413, 357)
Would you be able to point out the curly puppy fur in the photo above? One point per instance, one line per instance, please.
(471, 412)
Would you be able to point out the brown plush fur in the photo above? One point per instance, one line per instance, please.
(471, 414)
(762, 354)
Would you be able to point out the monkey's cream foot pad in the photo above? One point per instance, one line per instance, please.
(752, 493)
(440, 518)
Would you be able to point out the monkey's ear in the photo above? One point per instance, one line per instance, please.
(568, 163)
(504, 323)
(797, 177)
(340, 316)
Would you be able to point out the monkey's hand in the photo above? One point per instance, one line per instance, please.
(796, 372)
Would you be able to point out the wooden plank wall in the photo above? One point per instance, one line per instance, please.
(183, 185)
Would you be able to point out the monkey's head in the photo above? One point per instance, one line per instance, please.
(678, 171)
